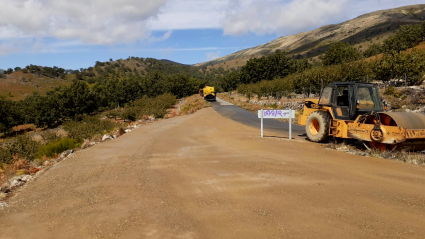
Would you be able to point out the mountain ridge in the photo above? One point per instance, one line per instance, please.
(359, 31)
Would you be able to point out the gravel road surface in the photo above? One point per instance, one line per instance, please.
(206, 176)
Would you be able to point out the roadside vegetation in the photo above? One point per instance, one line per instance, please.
(342, 62)
(404, 99)
(355, 147)
(192, 104)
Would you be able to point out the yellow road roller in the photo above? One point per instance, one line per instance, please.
(208, 93)
(351, 110)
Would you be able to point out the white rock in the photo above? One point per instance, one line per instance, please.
(16, 183)
(26, 178)
(128, 130)
(92, 143)
(407, 110)
(66, 154)
(106, 137)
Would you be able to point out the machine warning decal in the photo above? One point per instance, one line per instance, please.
(359, 131)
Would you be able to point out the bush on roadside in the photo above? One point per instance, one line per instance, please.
(392, 91)
(5, 156)
(130, 113)
(24, 147)
(114, 113)
(89, 127)
(55, 148)
(155, 106)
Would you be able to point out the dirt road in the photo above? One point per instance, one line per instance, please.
(206, 176)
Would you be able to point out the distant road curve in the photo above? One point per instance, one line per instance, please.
(245, 117)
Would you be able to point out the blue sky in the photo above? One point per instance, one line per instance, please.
(75, 34)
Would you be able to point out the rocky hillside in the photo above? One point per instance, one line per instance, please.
(360, 32)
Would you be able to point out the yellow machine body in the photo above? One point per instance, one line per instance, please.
(383, 130)
(208, 93)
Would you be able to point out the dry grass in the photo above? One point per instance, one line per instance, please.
(192, 104)
(17, 167)
(18, 85)
(355, 147)
(227, 65)
(404, 99)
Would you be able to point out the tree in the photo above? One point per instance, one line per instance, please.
(275, 65)
(17, 68)
(373, 50)
(76, 100)
(9, 115)
(406, 37)
(398, 65)
(339, 53)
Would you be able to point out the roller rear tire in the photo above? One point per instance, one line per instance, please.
(317, 126)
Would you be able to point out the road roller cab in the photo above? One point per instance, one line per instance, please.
(353, 110)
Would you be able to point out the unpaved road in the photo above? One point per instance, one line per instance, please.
(206, 176)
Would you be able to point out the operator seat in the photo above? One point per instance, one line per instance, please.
(343, 99)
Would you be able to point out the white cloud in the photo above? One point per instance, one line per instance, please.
(191, 14)
(162, 38)
(213, 55)
(65, 25)
(170, 49)
(40, 45)
(91, 21)
(277, 17)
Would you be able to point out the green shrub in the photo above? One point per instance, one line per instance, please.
(155, 106)
(23, 146)
(392, 91)
(130, 113)
(5, 156)
(114, 113)
(89, 127)
(55, 148)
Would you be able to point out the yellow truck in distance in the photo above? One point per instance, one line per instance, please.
(208, 93)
